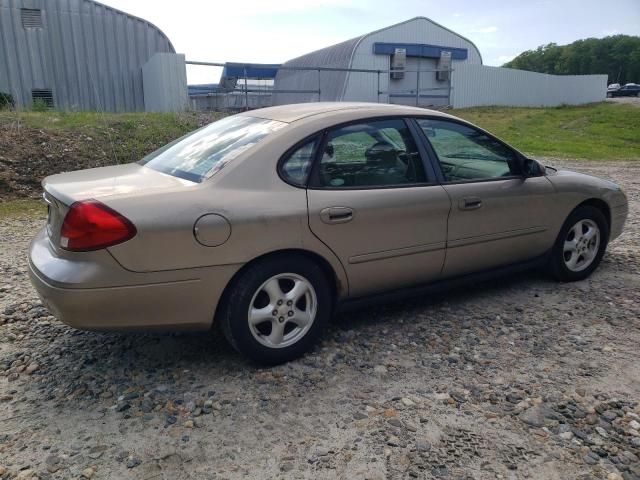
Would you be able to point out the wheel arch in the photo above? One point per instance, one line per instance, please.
(335, 285)
(600, 205)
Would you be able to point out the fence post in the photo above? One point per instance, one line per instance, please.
(319, 90)
(246, 91)
(450, 81)
(378, 86)
(417, 87)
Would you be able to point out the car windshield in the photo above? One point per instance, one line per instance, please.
(200, 154)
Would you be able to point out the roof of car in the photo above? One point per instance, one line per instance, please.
(297, 111)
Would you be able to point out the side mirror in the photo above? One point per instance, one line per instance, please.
(532, 168)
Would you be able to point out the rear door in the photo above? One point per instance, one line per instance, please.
(498, 216)
(373, 201)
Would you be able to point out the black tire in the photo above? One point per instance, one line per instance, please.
(557, 265)
(233, 316)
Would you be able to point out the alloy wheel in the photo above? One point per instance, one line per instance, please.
(581, 245)
(282, 310)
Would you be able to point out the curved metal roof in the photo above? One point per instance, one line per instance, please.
(341, 54)
(147, 22)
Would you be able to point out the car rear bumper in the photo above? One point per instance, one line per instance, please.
(129, 302)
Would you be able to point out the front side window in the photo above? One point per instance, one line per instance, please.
(376, 153)
(199, 155)
(467, 154)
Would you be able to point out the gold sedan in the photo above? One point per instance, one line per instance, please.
(267, 221)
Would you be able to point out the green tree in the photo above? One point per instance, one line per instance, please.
(617, 56)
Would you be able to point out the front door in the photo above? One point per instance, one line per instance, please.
(498, 217)
(370, 200)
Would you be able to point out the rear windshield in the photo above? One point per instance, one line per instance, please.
(200, 154)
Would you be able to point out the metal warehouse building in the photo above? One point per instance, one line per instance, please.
(82, 55)
(414, 50)
(419, 62)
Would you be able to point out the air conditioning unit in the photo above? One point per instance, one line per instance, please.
(398, 63)
(444, 67)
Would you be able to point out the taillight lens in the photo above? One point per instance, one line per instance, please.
(91, 225)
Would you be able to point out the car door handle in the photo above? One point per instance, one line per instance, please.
(336, 214)
(469, 203)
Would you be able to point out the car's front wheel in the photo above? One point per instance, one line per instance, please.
(580, 244)
(276, 309)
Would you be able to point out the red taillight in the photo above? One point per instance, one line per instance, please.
(91, 225)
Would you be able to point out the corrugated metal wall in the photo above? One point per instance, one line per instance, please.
(331, 83)
(164, 78)
(88, 54)
(478, 85)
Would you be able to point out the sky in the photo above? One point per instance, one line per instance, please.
(274, 31)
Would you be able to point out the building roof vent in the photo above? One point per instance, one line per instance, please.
(31, 17)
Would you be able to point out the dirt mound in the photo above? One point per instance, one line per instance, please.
(28, 155)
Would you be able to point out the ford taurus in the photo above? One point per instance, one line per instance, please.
(266, 221)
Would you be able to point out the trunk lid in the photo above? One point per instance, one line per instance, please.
(103, 184)
(128, 180)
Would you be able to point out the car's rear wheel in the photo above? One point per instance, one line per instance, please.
(580, 244)
(276, 309)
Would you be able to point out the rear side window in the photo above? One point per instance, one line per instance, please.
(199, 155)
(295, 168)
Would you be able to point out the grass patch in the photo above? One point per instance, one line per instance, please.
(23, 208)
(602, 131)
(82, 120)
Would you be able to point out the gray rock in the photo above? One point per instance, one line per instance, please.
(536, 416)
(97, 451)
(395, 421)
(53, 463)
(422, 446)
(609, 415)
(591, 459)
(286, 467)
(566, 435)
(394, 441)
(515, 397)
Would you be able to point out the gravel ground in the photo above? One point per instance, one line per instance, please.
(628, 100)
(517, 378)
